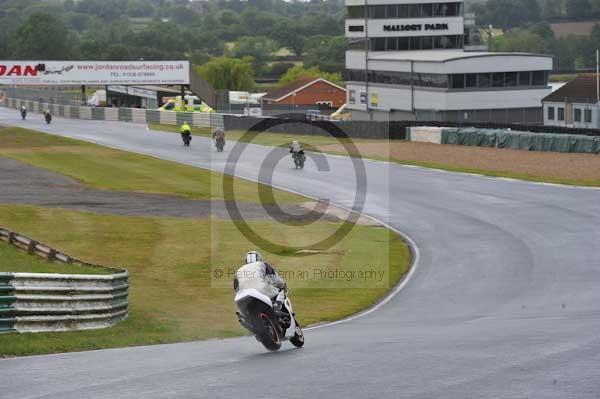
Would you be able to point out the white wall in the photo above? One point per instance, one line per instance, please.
(594, 124)
(400, 98)
(473, 64)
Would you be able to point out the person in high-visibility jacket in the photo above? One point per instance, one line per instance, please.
(186, 134)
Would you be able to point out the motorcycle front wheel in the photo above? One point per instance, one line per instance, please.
(298, 339)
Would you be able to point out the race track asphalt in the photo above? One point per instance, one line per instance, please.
(503, 303)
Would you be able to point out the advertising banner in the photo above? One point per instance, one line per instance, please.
(94, 72)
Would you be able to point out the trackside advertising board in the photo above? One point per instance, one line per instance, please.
(94, 72)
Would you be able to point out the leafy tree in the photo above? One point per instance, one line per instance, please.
(578, 9)
(42, 36)
(519, 41)
(326, 52)
(289, 34)
(297, 72)
(225, 73)
(260, 49)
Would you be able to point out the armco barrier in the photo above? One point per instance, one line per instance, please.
(37, 302)
(196, 119)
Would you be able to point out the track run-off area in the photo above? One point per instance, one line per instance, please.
(503, 301)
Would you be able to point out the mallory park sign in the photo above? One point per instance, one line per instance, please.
(94, 72)
(414, 27)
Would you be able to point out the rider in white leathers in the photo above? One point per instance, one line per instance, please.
(258, 275)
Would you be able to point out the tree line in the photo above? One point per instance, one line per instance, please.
(261, 37)
(526, 25)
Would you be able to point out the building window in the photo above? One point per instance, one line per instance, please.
(550, 113)
(511, 78)
(483, 80)
(325, 103)
(426, 10)
(561, 113)
(403, 43)
(415, 43)
(392, 11)
(588, 115)
(525, 78)
(498, 79)
(539, 78)
(427, 43)
(377, 12)
(457, 81)
(471, 80)
(577, 115)
(378, 44)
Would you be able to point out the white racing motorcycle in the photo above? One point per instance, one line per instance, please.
(270, 325)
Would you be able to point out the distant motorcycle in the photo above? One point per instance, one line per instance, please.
(299, 159)
(220, 144)
(48, 117)
(23, 113)
(261, 316)
(186, 137)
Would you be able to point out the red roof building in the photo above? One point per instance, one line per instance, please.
(308, 91)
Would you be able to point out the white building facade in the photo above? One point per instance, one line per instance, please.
(576, 104)
(408, 61)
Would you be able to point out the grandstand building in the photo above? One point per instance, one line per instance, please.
(418, 60)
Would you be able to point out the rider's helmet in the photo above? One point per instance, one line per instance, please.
(253, 256)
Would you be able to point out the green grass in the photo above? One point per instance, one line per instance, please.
(110, 169)
(17, 261)
(173, 296)
(566, 77)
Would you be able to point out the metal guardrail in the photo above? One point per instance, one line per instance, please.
(38, 302)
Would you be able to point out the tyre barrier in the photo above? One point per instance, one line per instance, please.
(43, 302)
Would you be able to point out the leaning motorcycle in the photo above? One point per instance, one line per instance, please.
(23, 114)
(299, 159)
(270, 321)
(48, 117)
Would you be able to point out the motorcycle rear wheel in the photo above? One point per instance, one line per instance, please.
(266, 329)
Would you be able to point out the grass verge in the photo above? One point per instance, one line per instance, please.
(174, 295)
(110, 169)
(17, 261)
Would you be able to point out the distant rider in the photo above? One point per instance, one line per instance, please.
(296, 148)
(186, 133)
(47, 116)
(259, 275)
(23, 112)
(218, 135)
